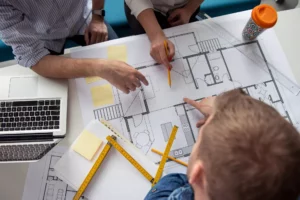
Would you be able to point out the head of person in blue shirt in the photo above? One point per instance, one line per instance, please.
(245, 151)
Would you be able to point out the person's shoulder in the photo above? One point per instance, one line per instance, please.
(184, 192)
(166, 186)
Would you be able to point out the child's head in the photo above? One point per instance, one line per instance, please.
(245, 150)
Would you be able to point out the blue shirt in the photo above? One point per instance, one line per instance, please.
(32, 27)
(171, 187)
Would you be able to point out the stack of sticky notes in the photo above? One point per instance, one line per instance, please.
(87, 144)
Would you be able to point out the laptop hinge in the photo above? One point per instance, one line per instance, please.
(32, 137)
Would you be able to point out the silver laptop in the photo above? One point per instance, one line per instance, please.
(33, 113)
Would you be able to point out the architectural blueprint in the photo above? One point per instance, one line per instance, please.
(204, 65)
(42, 183)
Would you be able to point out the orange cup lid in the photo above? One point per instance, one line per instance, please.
(264, 16)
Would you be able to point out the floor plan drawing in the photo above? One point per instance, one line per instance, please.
(203, 66)
(42, 182)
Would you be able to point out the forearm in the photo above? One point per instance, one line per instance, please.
(61, 67)
(98, 4)
(149, 22)
(193, 5)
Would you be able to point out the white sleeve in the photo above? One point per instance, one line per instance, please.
(137, 6)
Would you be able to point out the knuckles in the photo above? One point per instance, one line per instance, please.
(156, 46)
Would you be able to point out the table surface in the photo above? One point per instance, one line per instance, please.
(13, 175)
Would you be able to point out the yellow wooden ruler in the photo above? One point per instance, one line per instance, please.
(119, 136)
(139, 167)
(126, 154)
(111, 141)
(165, 156)
(94, 169)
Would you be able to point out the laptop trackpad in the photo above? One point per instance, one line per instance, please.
(23, 87)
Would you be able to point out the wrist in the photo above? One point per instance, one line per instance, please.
(100, 67)
(160, 35)
(97, 18)
(189, 10)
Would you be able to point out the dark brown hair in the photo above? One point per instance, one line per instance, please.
(249, 151)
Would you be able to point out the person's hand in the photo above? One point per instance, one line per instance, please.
(123, 76)
(96, 31)
(179, 16)
(158, 51)
(205, 106)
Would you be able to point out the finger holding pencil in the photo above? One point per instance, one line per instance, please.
(158, 51)
(170, 157)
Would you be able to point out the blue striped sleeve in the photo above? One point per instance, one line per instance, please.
(16, 31)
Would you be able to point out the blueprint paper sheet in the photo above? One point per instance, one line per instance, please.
(42, 182)
(204, 65)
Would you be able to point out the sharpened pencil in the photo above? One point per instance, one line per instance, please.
(169, 77)
(170, 157)
(169, 69)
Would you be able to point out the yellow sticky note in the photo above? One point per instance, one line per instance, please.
(92, 79)
(102, 95)
(118, 52)
(87, 145)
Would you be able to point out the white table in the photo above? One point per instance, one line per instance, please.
(13, 175)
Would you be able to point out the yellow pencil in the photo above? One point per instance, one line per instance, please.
(169, 77)
(169, 69)
(170, 157)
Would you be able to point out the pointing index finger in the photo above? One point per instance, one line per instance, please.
(142, 78)
(192, 103)
(206, 105)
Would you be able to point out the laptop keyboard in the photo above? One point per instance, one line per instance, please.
(24, 152)
(29, 115)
